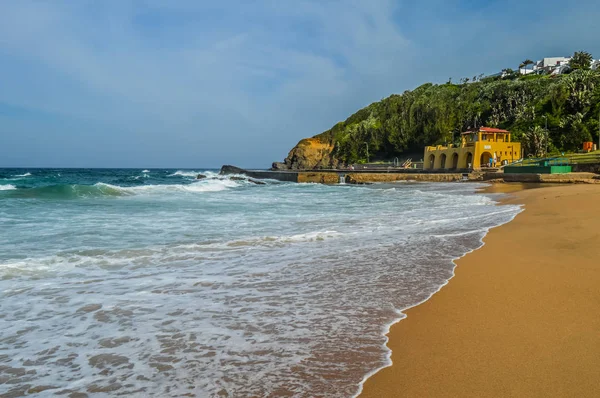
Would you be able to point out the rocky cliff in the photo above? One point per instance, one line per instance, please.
(308, 154)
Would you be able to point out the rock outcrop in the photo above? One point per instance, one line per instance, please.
(309, 154)
(229, 169)
(278, 166)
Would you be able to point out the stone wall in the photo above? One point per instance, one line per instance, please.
(319, 177)
(364, 178)
(586, 168)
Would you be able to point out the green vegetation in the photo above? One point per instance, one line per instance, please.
(568, 105)
(581, 60)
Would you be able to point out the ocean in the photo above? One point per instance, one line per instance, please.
(134, 282)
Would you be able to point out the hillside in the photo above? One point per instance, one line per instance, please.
(436, 113)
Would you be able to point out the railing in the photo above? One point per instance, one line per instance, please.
(565, 160)
(558, 161)
(584, 158)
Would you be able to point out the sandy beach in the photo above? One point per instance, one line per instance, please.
(521, 316)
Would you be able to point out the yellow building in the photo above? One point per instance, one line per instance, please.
(475, 151)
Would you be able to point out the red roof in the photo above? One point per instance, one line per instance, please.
(488, 130)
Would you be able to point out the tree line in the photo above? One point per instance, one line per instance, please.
(545, 112)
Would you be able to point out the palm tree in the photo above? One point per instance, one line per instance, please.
(581, 60)
(525, 64)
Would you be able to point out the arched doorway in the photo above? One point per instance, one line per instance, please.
(469, 160)
(485, 159)
(455, 161)
(432, 161)
(443, 161)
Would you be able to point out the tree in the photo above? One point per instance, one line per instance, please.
(525, 64)
(508, 73)
(574, 133)
(403, 124)
(535, 141)
(581, 60)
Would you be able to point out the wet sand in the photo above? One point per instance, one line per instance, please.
(521, 317)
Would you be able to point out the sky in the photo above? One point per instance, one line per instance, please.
(201, 83)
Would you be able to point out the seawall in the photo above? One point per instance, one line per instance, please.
(350, 177)
(372, 176)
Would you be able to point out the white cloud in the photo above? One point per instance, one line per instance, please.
(213, 76)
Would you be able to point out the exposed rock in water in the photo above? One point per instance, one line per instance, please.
(252, 180)
(228, 169)
(200, 177)
(352, 179)
(257, 182)
(310, 153)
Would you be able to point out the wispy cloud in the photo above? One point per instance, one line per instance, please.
(191, 83)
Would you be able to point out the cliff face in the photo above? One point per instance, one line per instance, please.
(308, 154)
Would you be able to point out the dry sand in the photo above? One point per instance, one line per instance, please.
(521, 318)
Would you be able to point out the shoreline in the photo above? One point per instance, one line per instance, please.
(493, 188)
(428, 359)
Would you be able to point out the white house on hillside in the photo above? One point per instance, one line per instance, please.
(550, 66)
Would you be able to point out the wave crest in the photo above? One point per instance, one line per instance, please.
(102, 189)
(188, 173)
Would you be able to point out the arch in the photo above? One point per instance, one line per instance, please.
(443, 161)
(469, 162)
(431, 161)
(455, 160)
(485, 159)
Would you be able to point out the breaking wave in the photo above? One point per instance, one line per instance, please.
(107, 190)
(181, 173)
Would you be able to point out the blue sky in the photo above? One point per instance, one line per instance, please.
(196, 83)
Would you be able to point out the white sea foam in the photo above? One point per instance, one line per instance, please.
(7, 187)
(180, 173)
(23, 175)
(145, 171)
(212, 185)
(252, 292)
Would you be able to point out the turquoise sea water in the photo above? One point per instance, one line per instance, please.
(151, 283)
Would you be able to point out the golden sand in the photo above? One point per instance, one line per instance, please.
(521, 318)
